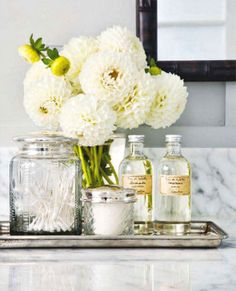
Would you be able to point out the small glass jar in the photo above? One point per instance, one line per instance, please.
(108, 210)
(45, 186)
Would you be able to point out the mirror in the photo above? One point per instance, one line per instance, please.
(196, 30)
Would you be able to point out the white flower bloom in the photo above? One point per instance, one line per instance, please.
(133, 109)
(88, 119)
(120, 39)
(36, 72)
(169, 100)
(44, 100)
(109, 75)
(78, 50)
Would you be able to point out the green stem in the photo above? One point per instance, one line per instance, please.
(99, 159)
(87, 152)
(106, 177)
(83, 184)
(97, 166)
(100, 150)
(41, 54)
(108, 161)
(89, 174)
(89, 171)
(84, 168)
(91, 158)
(112, 168)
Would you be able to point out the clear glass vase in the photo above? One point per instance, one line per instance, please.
(45, 186)
(100, 163)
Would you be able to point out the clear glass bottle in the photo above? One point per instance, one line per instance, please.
(174, 190)
(45, 186)
(136, 172)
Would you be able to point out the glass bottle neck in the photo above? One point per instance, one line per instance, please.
(136, 149)
(173, 149)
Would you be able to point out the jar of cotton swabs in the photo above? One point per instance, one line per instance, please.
(45, 186)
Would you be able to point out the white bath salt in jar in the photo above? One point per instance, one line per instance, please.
(108, 210)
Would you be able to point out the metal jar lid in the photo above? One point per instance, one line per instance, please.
(109, 194)
(173, 138)
(136, 138)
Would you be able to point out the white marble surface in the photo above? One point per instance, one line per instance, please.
(213, 183)
(121, 269)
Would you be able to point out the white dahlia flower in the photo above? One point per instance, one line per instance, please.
(78, 50)
(120, 39)
(169, 100)
(109, 75)
(36, 72)
(44, 100)
(88, 119)
(133, 109)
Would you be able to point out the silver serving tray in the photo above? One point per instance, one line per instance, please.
(203, 234)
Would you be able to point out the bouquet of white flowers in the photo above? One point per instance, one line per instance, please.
(93, 87)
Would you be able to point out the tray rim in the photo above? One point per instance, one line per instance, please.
(220, 234)
(207, 234)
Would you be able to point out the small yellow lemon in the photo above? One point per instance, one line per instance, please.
(155, 71)
(60, 66)
(28, 53)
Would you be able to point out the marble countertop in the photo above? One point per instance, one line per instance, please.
(123, 269)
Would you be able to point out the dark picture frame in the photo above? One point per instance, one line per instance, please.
(191, 71)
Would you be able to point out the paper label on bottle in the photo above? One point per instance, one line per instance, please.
(175, 185)
(141, 183)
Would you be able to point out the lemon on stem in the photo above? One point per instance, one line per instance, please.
(60, 66)
(155, 71)
(28, 53)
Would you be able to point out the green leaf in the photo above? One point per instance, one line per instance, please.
(152, 63)
(46, 61)
(56, 52)
(52, 53)
(32, 40)
(38, 43)
(43, 48)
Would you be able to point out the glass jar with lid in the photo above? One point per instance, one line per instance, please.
(45, 186)
(108, 210)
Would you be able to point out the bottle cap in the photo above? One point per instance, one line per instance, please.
(173, 138)
(136, 138)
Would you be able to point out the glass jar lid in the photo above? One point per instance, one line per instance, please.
(109, 194)
(46, 144)
(45, 137)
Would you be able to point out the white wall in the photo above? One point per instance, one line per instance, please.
(210, 107)
(57, 21)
